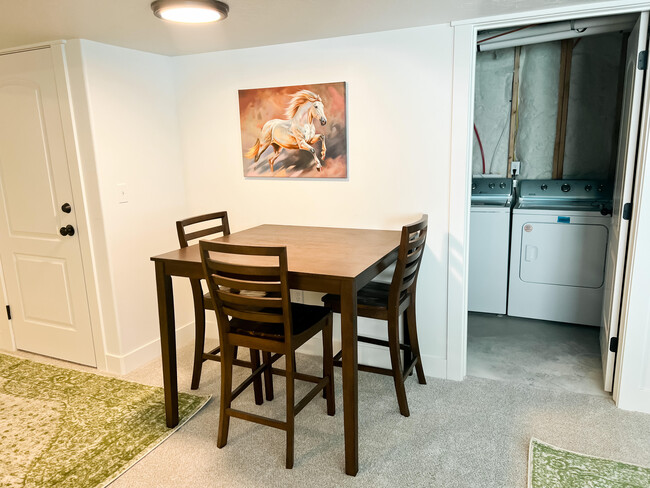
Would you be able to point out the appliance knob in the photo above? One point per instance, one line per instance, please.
(473, 186)
(588, 188)
(502, 185)
(544, 187)
(565, 188)
(491, 185)
(601, 187)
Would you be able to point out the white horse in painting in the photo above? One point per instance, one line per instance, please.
(296, 132)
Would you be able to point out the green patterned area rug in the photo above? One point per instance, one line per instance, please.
(551, 467)
(65, 428)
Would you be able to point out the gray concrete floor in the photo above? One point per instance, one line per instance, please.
(536, 353)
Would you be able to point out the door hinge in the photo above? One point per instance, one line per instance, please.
(8, 312)
(627, 211)
(643, 60)
(613, 344)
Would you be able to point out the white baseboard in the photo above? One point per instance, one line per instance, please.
(142, 355)
(370, 354)
(378, 356)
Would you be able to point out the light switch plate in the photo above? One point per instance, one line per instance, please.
(122, 195)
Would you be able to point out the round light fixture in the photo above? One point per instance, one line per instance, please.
(190, 11)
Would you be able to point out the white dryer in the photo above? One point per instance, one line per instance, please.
(560, 231)
(489, 237)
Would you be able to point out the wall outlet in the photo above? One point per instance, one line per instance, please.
(515, 167)
(297, 296)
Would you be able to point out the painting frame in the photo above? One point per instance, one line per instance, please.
(294, 131)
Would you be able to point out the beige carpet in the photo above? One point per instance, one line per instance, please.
(474, 433)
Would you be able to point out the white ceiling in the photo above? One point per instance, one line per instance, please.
(130, 23)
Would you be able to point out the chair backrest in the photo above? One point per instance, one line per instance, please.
(409, 257)
(217, 223)
(248, 283)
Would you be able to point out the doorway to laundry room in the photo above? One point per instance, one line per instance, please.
(556, 116)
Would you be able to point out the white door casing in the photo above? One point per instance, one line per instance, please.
(625, 161)
(43, 270)
(632, 377)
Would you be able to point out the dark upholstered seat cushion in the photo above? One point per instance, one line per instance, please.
(374, 294)
(303, 317)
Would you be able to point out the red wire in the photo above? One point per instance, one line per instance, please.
(480, 146)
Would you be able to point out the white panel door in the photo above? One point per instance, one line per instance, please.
(626, 158)
(42, 268)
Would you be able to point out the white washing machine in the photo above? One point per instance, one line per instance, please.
(488, 244)
(560, 231)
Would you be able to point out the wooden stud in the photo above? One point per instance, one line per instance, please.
(562, 108)
(514, 107)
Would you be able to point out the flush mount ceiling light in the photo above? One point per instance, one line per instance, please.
(190, 11)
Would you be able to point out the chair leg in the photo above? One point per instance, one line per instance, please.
(268, 376)
(226, 395)
(328, 366)
(290, 369)
(199, 337)
(415, 347)
(257, 382)
(398, 377)
(408, 353)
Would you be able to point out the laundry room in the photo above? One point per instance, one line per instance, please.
(556, 114)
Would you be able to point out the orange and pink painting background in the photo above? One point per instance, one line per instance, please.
(257, 106)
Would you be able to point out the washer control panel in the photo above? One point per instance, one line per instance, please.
(497, 188)
(578, 190)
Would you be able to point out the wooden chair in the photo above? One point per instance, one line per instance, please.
(387, 302)
(269, 323)
(215, 225)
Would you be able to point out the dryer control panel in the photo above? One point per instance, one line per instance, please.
(574, 190)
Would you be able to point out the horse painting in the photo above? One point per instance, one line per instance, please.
(297, 131)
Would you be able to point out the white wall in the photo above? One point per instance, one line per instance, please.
(399, 114)
(130, 136)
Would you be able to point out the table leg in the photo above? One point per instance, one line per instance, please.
(167, 342)
(350, 376)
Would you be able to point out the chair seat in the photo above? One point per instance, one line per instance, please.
(372, 300)
(303, 318)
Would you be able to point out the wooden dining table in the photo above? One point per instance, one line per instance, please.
(320, 259)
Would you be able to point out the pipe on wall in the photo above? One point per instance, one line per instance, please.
(556, 31)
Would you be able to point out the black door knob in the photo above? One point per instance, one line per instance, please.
(66, 208)
(68, 230)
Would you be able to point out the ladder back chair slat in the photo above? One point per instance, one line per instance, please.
(214, 224)
(265, 323)
(387, 303)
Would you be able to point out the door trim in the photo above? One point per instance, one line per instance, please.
(464, 60)
(74, 165)
(75, 172)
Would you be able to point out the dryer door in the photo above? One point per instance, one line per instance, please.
(563, 254)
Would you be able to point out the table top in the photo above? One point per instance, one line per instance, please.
(324, 251)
